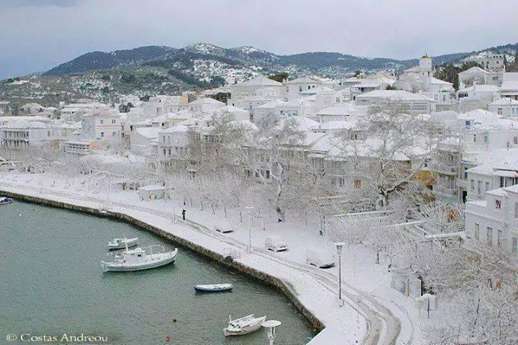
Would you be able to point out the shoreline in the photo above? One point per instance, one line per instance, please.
(317, 326)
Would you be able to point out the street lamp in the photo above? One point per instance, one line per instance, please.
(339, 247)
(249, 210)
(271, 329)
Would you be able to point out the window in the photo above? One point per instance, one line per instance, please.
(474, 138)
(515, 246)
(357, 184)
(477, 231)
(113, 121)
(489, 236)
(499, 238)
(472, 182)
(102, 121)
(479, 186)
(487, 186)
(499, 111)
(498, 203)
(516, 210)
(486, 139)
(114, 134)
(102, 134)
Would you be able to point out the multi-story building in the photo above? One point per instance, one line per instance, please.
(493, 221)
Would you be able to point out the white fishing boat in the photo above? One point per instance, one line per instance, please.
(244, 325)
(122, 243)
(213, 287)
(5, 200)
(139, 259)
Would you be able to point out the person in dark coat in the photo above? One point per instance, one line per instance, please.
(183, 213)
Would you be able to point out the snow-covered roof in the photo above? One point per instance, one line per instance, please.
(501, 159)
(473, 70)
(176, 129)
(394, 95)
(510, 81)
(207, 100)
(148, 132)
(305, 80)
(504, 101)
(260, 81)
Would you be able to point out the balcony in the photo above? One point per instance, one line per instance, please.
(447, 169)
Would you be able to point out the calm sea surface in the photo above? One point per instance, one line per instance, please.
(51, 283)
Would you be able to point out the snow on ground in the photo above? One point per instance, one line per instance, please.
(366, 285)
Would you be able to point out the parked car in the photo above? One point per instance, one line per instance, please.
(275, 244)
(320, 259)
(224, 228)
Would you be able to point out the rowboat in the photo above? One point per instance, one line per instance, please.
(213, 287)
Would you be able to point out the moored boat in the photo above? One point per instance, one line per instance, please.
(5, 200)
(213, 287)
(122, 243)
(244, 325)
(139, 259)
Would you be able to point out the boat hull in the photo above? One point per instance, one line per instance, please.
(118, 246)
(212, 288)
(150, 264)
(245, 330)
(6, 201)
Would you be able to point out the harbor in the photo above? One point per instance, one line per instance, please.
(154, 306)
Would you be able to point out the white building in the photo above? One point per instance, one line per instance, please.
(499, 168)
(477, 97)
(509, 87)
(102, 126)
(507, 107)
(159, 105)
(494, 220)
(411, 102)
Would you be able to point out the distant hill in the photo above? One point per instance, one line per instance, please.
(247, 58)
(101, 60)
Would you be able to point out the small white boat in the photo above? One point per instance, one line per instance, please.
(5, 200)
(213, 287)
(140, 259)
(122, 243)
(244, 325)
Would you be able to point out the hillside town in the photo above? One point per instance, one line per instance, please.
(418, 179)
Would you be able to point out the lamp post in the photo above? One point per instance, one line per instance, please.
(249, 209)
(271, 329)
(339, 247)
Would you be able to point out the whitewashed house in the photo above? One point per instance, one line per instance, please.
(506, 107)
(493, 221)
(410, 102)
(104, 126)
(295, 87)
(260, 87)
(205, 105)
(474, 76)
(159, 105)
(509, 86)
(476, 97)
(496, 169)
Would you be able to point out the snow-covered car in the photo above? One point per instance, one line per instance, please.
(275, 244)
(319, 259)
(223, 228)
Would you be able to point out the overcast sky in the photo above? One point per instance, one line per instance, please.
(38, 34)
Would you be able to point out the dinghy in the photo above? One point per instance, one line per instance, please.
(213, 287)
(5, 200)
(140, 259)
(121, 243)
(244, 325)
